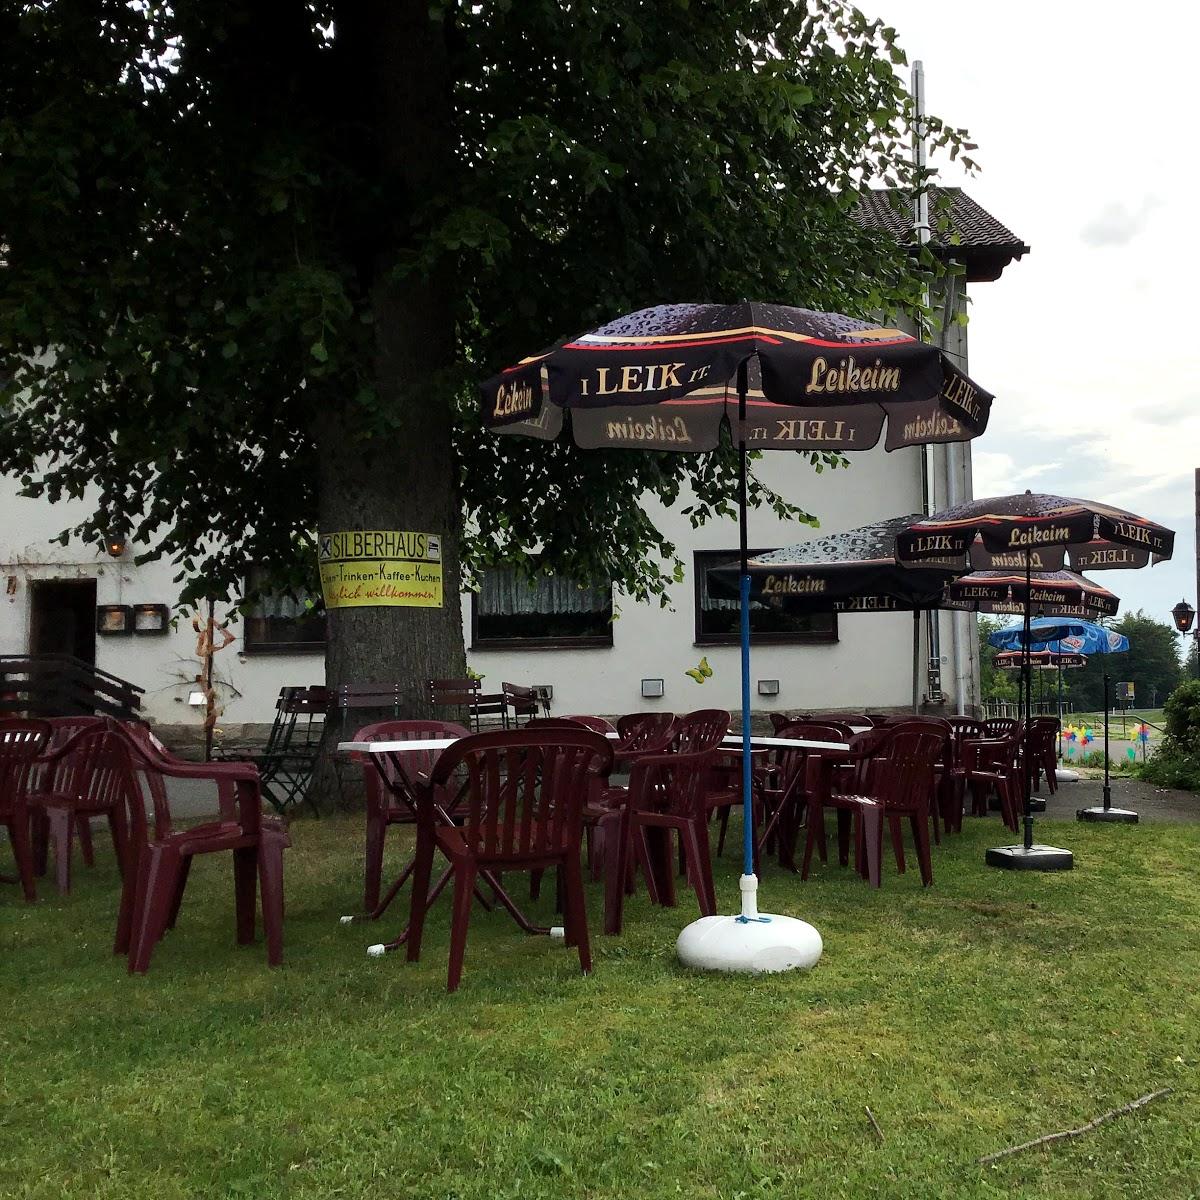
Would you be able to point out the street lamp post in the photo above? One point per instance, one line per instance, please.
(1183, 614)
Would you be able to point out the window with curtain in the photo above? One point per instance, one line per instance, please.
(282, 623)
(513, 610)
(717, 618)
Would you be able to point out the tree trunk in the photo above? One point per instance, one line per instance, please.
(406, 479)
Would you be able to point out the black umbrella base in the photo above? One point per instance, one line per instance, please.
(1125, 816)
(1037, 804)
(1036, 858)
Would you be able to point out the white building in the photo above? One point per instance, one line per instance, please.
(63, 598)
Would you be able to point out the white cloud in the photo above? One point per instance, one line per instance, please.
(1088, 342)
(1116, 224)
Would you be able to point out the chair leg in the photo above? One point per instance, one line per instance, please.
(724, 829)
(617, 833)
(373, 875)
(39, 836)
(464, 887)
(270, 876)
(61, 828)
(814, 828)
(177, 901)
(245, 892)
(18, 836)
(86, 849)
(160, 869)
(575, 915)
(844, 816)
(872, 817)
(897, 841)
(419, 901)
(116, 829)
(700, 857)
(920, 829)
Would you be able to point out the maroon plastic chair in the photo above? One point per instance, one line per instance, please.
(785, 795)
(595, 724)
(256, 843)
(995, 764)
(943, 769)
(999, 726)
(21, 742)
(668, 793)
(901, 787)
(77, 784)
(1044, 746)
(518, 796)
(833, 780)
(384, 776)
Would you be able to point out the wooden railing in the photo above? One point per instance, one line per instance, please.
(56, 685)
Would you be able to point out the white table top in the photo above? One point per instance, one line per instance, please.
(733, 741)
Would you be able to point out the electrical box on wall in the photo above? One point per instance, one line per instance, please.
(114, 620)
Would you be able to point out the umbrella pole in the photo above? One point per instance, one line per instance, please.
(916, 699)
(749, 905)
(1106, 812)
(1027, 856)
(1060, 710)
(1028, 671)
(1107, 788)
(749, 942)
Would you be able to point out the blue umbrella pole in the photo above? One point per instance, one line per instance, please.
(747, 806)
(744, 613)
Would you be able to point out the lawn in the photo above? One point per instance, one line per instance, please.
(978, 1014)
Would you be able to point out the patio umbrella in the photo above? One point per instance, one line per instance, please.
(1099, 535)
(1081, 638)
(851, 572)
(670, 378)
(1058, 593)
(1039, 660)
(1048, 633)
(856, 571)
(1042, 661)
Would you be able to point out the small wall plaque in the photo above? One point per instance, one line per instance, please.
(652, 689)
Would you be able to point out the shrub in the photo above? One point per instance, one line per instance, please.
(1177, 763)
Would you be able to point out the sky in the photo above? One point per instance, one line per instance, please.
(1086, 122)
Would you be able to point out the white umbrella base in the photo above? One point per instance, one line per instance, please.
(1066, 775)
(751, 943)
(1036, 858)
(1125, 815)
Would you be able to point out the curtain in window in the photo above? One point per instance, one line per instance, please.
(505, 592)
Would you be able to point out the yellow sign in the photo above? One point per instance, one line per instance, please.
(380, 567)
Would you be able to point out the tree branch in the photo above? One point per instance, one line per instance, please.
(1062, 1136)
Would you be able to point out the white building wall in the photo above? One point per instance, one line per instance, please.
(165, 665)
(869, 666)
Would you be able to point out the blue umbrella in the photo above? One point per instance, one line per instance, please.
(1076, 637)
(1055, 633)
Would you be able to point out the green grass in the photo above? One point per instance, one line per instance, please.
(982, 1012)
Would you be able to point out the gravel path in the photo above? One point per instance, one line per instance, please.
(1152, 804)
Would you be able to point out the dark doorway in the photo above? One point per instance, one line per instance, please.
(63, 618)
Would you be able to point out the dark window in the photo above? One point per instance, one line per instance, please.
(717, 619)
(279, 623)
(512, 610)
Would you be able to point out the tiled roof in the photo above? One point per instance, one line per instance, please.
(983, 244)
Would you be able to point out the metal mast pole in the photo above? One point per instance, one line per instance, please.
(921, 232)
